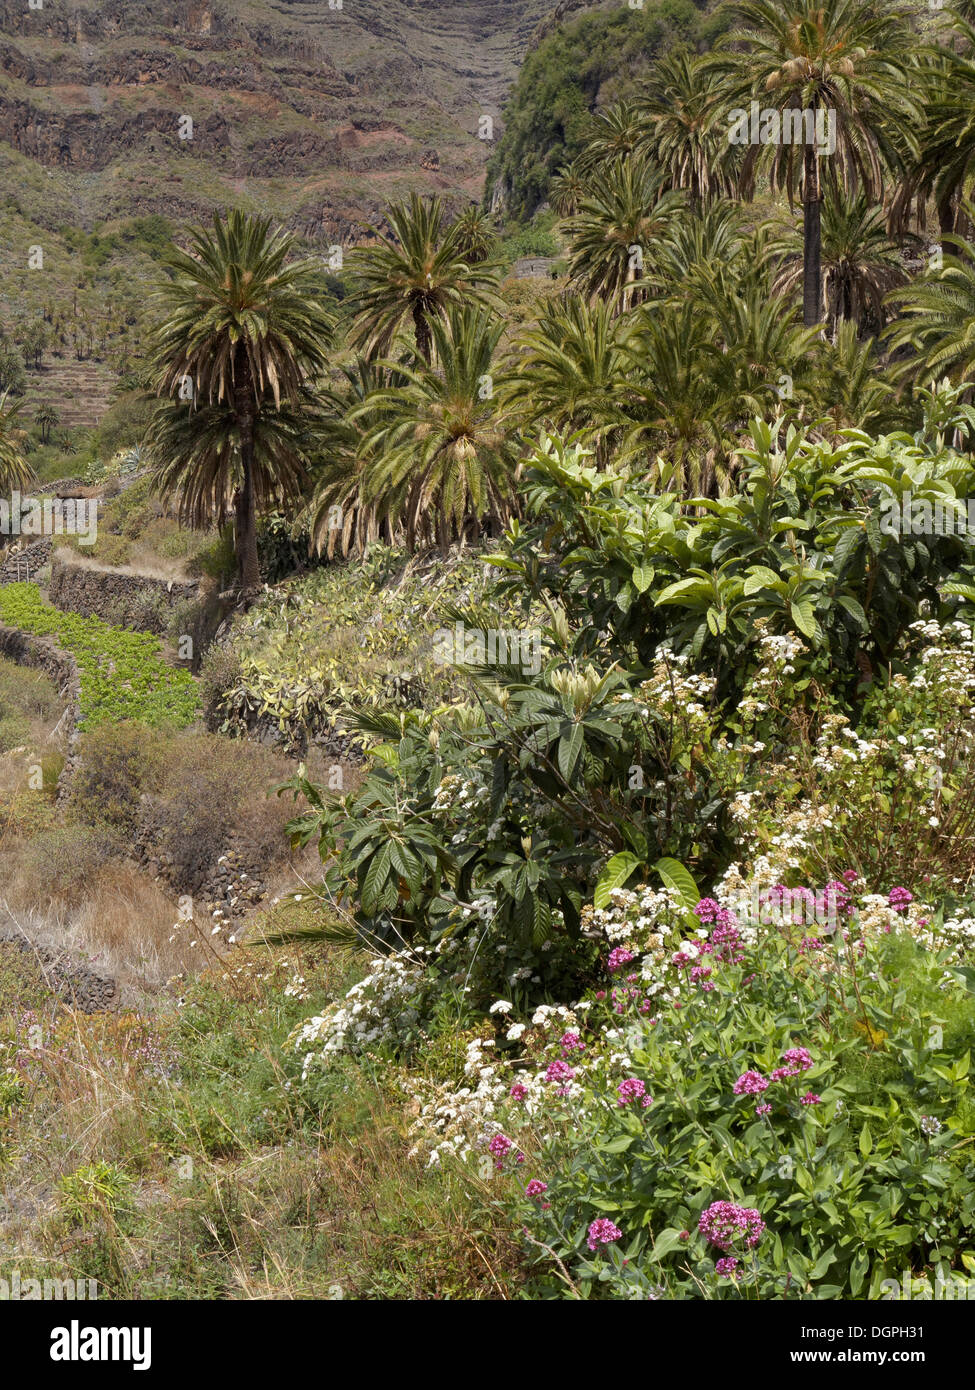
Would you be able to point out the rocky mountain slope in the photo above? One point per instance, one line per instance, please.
(315, 109)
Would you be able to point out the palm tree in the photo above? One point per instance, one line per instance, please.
(47, 416)
(937, 316)
(715, 235)
(241, 331)
(197, 460)
(476, 234)
(567, 190)
(844, 59)
(686, 410)
(439, 453)
(681, 132)
(614, 134)
(416, 276)
(860, 262)
(15, 471)
(850, 386)
(947, 141)
(626, 209)
(340, 518)
(569, 373)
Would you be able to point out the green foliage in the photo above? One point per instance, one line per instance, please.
(851, 1188)
(579, 65)
(799, 546)
(123, 674)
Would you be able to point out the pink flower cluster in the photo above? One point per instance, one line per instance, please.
(727, 1267)
(750, 1083)
(633, 1089)
(602, 1232)
(724, 1223)
(535, 1188)
(571, 1042)
(561, 1072)
(898, 898)
(796, 1059)
(753, 1083)
(618, 957)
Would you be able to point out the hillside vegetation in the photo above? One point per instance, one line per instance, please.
(558, 879)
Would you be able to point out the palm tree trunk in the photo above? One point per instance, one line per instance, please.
(422, 328)
(248, 567)
(812, 240)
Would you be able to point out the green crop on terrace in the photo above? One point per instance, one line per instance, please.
(123, 674)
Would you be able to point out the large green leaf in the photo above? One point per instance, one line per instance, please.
(613, 876)
(679, 879)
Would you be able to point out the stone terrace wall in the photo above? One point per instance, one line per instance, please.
(121, 599)
(29, 650)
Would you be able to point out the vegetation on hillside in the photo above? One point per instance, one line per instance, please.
(631, 954)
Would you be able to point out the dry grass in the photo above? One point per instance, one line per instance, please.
(125, 925)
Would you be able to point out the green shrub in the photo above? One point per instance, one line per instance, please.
(858, 1162)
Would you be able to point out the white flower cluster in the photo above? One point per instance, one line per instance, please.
(384, 1007)
(947, 666)
(674, 689)
(461, 1122)
(453, 1122)
(776, 657)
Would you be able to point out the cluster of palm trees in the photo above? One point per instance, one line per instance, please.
(695, 296)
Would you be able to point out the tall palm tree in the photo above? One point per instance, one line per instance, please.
(439, 455)
(567, 190)
(936, 321)
(414, 276)
(48, 417)
(614, 134)
(15, 471)
(682, 131)
(476, 234)
(240, 333)
(842, 57)
(861, 263)
(625, 211)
